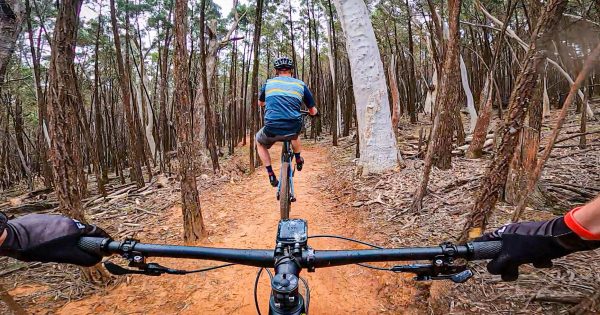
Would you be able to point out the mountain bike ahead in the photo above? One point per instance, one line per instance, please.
(292, 254)
(285, 188)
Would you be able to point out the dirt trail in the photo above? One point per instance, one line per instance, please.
(245, 215)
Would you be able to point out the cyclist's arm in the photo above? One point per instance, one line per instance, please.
(309, 101)
(588, 216)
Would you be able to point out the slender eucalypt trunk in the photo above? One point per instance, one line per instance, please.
(378, 150)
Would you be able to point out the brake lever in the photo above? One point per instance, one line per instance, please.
(425, 272)
(138, 260)
(150, 269)
(442, 267)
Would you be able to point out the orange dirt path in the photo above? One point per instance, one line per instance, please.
(245, 215)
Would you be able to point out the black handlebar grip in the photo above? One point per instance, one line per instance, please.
(486, 250)
(92, 245)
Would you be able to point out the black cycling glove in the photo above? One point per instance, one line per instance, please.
(533, 242)
(49, 238)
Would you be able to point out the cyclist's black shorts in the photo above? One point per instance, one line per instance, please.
(267, 139)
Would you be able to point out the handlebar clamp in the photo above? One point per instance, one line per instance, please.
(310, 259)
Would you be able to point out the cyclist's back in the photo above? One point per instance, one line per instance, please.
(283, 96)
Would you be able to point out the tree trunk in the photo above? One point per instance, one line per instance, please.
(62, 111)
(495, 178)
(395, 94)
(486, 96)
(254, 86)
(439, 149)
(99, 123)
(163, 124)
(135, 156)
(470, 102)
(447, 97)
(537, 171)
(204, 73)
(11, 17)
(336, 120)
(525, 157)
(41, 104)
(410, 105)
(193, 225)
(378, 150)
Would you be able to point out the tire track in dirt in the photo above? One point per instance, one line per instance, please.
(245, 215)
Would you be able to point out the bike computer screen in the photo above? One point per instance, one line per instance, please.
(292, 231)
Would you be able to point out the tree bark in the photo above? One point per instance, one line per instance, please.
(395, 94)
(134, 154)
(378, 150)
(447, 97)
(99, 123)
(495, 178)
(62, 111)
(254, 85)
(486, 96)
(11, 17)
(209, 119)
(193, 225)
(410, 105)
(439, 149)
(535, 175)
(41, 104)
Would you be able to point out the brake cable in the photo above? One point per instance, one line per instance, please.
(346, 239)
(355, 241)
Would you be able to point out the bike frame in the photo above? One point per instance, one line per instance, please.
(287, 155)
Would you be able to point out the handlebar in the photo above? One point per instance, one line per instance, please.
(309, 259)
(290, 256)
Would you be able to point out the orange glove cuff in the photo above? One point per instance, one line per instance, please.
(578, 228)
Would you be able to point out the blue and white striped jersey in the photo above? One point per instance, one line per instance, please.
(283, 97)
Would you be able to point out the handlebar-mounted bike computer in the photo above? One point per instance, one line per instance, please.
(292, 231)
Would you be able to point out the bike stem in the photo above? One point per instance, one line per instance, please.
(285, 297)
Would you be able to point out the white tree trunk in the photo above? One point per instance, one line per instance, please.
(143, 104)
(546, 99)
(470, 102)
(378, 150)
(431, 95)
(149, 129)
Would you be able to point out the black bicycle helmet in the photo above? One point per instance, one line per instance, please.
(283, 63)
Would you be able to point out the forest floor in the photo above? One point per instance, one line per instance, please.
(570, 178)
(241, 211)
(244, 214)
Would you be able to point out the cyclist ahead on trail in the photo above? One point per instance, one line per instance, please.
(283, 96)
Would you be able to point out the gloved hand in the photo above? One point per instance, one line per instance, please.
(533, 242)
(49, 238)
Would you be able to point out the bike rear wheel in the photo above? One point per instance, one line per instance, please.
(284, 193)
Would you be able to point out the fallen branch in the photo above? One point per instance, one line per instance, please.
(577, 135)
(32, 207)
(588, 305)
(564, 299)
(20, 267)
